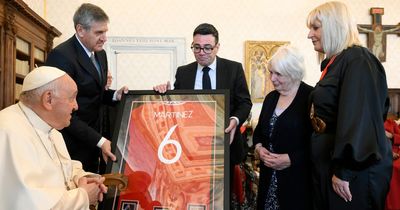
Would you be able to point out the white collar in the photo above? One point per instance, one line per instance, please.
(88, 52)
(35, 120)
(212, 66)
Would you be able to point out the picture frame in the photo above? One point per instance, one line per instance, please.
(257, 54)
(173, 150)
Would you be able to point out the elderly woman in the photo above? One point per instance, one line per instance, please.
(350, 153)
(282, 136)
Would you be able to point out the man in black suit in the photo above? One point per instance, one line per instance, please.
(222, 74)
(84, 59)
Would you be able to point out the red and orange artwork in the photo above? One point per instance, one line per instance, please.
(173, 157)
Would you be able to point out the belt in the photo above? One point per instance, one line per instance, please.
(317, 123)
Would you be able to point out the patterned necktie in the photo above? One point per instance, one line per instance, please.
(206, 78)
(96, 64)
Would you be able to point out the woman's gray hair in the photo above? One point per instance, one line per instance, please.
(88, 13)
(339, 30)
(288, 61)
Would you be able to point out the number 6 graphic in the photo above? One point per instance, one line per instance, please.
(166, 141)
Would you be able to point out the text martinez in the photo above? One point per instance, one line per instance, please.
(184, 114)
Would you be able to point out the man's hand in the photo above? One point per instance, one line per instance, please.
(120, 91)
(100, 182)
(341, 188)
(94, 187)
(106, 151)
(388, 134)
(231, 129)
(395, 155)
(162, 88)
(109, 80)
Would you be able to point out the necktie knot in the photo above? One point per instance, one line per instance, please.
(92, 58)
(206, 69)
(206, 78)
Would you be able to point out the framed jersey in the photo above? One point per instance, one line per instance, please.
(173, 149)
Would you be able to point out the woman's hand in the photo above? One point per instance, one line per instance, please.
(273, 160)
(277, 161)
(341, 188)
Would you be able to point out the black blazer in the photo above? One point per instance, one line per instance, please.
(83, 134)
(229, 75)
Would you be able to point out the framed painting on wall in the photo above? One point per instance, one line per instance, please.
(173, 150)
(257, 54)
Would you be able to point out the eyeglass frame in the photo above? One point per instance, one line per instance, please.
(203, 48)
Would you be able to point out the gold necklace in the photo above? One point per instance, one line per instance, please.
(48, 152)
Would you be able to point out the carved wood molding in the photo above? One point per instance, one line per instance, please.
(9, 20)
(118, 180)
(23, 8)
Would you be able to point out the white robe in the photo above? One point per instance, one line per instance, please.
(31, 176)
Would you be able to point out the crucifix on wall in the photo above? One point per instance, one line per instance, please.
(377, 33)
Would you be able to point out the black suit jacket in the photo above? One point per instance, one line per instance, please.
(229, 75)
(83, 134)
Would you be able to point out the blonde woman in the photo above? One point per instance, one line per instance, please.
(350, 153)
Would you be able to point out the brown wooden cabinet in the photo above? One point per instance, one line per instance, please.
(25, 40)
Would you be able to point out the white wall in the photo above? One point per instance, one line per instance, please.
(236, 20)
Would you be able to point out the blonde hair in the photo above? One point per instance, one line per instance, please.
(339, 30)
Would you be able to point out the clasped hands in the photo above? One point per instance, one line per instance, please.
(273, 160)
(94, 187)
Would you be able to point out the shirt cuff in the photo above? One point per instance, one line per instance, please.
(101, 142)
(237, 120)
(115, 96)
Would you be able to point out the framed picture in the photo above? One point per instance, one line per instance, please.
(129, 205)
(257, 55)
(173, 149)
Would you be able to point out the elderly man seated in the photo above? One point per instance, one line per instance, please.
(36, 169)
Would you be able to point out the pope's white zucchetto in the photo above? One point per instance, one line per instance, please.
(41, 76)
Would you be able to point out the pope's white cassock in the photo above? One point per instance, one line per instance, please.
(34, 172)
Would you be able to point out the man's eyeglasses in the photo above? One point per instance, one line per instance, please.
(206, 49)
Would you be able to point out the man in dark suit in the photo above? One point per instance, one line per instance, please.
(222, 74)
(84, 59)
